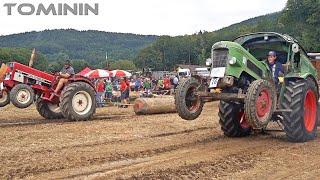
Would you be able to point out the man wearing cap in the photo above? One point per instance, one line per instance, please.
(274, 66)
(66, 72)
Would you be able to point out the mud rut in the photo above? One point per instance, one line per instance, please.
(119, 145)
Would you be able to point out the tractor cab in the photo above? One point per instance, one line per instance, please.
(259, 45)
(288, 50)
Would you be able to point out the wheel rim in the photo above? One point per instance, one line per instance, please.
(243, 121)
(54, 108)
(82, 102)
(310, 110)
(192, 101)
(23, 96)
(4, 97)
(263, 104)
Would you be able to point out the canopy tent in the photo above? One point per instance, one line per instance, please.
(84, 71)
(120, 73)
(98, 73)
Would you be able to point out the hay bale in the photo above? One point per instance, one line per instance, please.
(159, 105)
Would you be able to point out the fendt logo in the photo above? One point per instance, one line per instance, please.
(59, 9)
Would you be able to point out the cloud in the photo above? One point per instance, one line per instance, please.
(170, 17)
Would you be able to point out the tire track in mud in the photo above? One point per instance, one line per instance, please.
(53, 121)
(225, 160)
(229, 163)
(114, 157)
(232, 163)
(130, 159)
(129, 140)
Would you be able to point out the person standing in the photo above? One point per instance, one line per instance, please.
(108, 88)
(175, 82)
(100, 88)
(147, 84)
(137, 85)
(124, 88)
(166, 83)
(128, 82)
(160, 85)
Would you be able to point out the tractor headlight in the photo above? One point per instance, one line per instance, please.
(232, 60)
(208, 62)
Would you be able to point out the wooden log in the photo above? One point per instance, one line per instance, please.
(159, 105)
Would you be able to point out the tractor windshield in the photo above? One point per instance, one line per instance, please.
(259, 46)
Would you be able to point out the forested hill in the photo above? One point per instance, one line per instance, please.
(194, 49)
(300, 19)
(90, 46)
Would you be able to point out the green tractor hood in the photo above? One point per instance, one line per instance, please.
(238, 60)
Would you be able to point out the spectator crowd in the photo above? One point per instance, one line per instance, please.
(118, 90)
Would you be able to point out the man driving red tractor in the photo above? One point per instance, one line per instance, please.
(66, 72)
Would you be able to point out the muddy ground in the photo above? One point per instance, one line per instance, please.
(119, 145)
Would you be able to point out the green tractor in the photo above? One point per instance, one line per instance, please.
(249, 96)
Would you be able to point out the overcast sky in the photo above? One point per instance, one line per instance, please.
(159, 17)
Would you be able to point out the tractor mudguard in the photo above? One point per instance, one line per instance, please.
(296, 76)
(78, 78)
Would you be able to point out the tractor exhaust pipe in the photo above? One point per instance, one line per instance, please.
(32, 58)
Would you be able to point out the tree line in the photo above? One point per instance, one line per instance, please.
(300, 19)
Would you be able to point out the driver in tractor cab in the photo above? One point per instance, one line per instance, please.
(275, 67)
(66, 72)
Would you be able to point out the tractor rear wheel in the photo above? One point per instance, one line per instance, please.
(188, 104)
(301, 97)
(22, 96)
(78, 102)
(232, 119)
(48, 110)
(4, 98)
(260, 103)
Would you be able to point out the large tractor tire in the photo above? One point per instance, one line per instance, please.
(301, 97)
(260, 103)
(189, 105)
(78, 102)
(4, 98)
(232, 119)
(22, 96)
(48, 110)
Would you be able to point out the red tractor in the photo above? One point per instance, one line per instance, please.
(22, 86)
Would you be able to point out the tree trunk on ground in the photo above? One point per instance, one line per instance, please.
(158, 105)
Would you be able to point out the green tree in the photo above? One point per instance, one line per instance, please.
(123, 64)
(302, 19)
(79, 64)
(22, 55)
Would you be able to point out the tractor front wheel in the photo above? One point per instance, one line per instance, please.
(48, 110)
(22, 96)
(4, 98)
(300, 97)
(232, 119)
(77, 101)
(188, 104)
(260, 103)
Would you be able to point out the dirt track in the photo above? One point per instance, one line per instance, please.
(119, 145)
